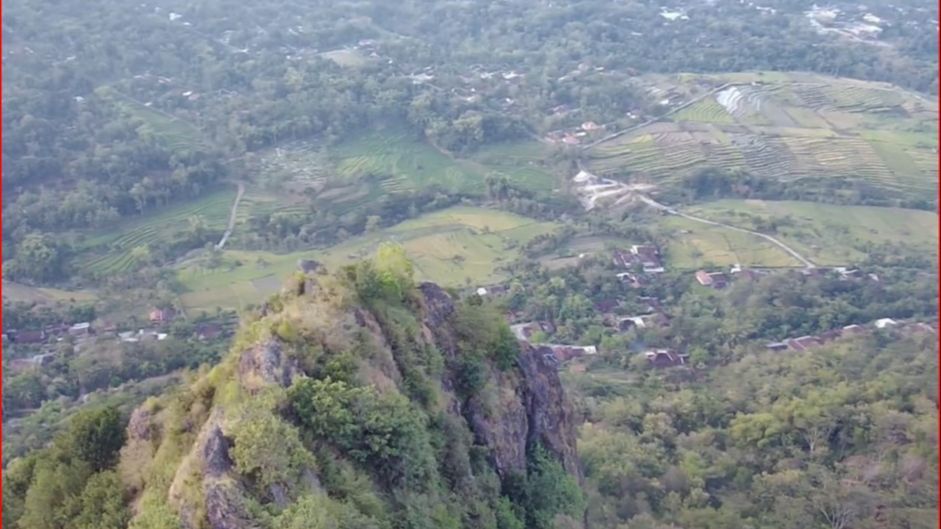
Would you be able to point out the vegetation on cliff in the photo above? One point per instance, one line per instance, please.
(351, 400)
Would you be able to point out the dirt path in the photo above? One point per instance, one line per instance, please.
(651, 202)
(231, 225)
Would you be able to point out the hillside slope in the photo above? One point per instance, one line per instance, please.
(360, 400)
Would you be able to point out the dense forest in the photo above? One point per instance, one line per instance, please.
(843, 436)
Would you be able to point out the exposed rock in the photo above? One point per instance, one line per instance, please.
(531, 406)
(437, 303)
(225, 507)
(505, 429)
(216, 453)
(520, 407)
(308, 265)
(549, 416)
(265, 364)
(140, 426)
(280, 495)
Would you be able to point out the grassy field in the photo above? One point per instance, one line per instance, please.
(693, 245)
(404, 163)
(523, 163)
(452, 246)
(13, 291)
(786, 126)
(826, 234)
(109, 251)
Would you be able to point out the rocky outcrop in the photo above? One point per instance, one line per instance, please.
(264, 364)
(518, 409)
(225, 507)
(530, 402)
(548, 413)
(216, 460)
(140, 425)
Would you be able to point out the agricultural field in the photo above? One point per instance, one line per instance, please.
(582, 246)
(825, 234)
(173, 132)
(523, 163)
(13, 291)
(455, 247)
(403, 163)
(787, 127)
(707, 110)
(110, 251)
(693, 245)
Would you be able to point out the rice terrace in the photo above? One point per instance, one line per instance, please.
(786, 127)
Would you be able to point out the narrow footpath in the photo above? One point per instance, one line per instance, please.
(231, 225)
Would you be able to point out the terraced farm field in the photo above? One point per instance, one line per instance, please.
(403, 163)
(452, 246)
(788, 127)
(523, 163)
(173, 132)
(109, 252)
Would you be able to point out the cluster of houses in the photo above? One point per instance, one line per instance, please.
(721, 279)
(79, 333)
(666, 358)
(557, 354)
(637, 261)
(159, 317)
(803, 343)
(575, 135)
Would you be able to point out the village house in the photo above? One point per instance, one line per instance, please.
(162, 315)
(715, 280)
(525, 331)
(738, 272)
(564, 353)
(633, 280)
(885, 322)
(28, 337)
(666, 358)
(803, 343)
(80, 329)
(645, 255)
(591, 126)
(853, 329)
(492, 290)
(643, 321)
(208, 331)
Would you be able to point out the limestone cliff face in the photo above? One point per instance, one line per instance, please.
(520, 408)
(532, 407)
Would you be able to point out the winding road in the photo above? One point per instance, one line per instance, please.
(231, 225)
(653, 203)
